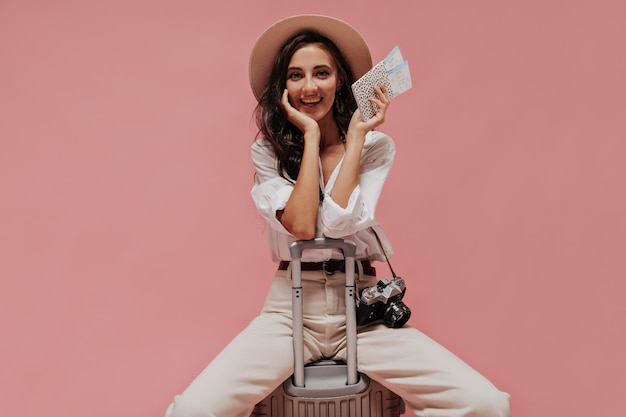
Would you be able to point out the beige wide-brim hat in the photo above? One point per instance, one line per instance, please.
(349, 41)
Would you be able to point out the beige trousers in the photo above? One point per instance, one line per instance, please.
(432, 381)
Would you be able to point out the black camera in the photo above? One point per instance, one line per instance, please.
(383, 302)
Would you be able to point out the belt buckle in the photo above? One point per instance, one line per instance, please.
(327, 268)
(331, 266)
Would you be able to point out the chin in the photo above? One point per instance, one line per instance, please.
(317, 115)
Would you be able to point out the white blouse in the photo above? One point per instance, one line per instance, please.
(271, 192)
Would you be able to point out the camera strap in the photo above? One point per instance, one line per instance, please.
(384, 252)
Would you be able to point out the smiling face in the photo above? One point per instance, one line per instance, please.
(312, 81)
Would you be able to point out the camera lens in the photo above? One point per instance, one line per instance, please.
(396, 314)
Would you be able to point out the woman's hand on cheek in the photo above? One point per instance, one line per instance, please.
(300, 120)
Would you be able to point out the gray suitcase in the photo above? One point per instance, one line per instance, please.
(328, 388)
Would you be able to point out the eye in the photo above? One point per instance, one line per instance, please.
(323, 74)
(294, 76)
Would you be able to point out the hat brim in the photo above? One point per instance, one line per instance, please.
(349, 41)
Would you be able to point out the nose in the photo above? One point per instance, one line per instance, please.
(309, 86)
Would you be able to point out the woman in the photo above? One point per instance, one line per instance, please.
(319, 172)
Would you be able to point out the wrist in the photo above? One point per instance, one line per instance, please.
(312, 136)
(355, 137)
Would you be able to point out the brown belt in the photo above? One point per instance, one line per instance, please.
(331, 266)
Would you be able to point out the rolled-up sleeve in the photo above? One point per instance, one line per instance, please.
(376, 161)
(270, 192)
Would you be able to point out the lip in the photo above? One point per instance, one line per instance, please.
(311, 103)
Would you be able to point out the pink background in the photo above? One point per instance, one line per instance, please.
(131, 253)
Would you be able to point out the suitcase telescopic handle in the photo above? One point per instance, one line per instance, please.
(349, 251)
(348, 248)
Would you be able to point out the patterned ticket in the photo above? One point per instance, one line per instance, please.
(393, 71)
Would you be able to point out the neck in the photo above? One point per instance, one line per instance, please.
(330, 133)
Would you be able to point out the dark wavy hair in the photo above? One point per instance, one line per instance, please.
(271, 119)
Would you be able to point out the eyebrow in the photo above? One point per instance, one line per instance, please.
(315, 67)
